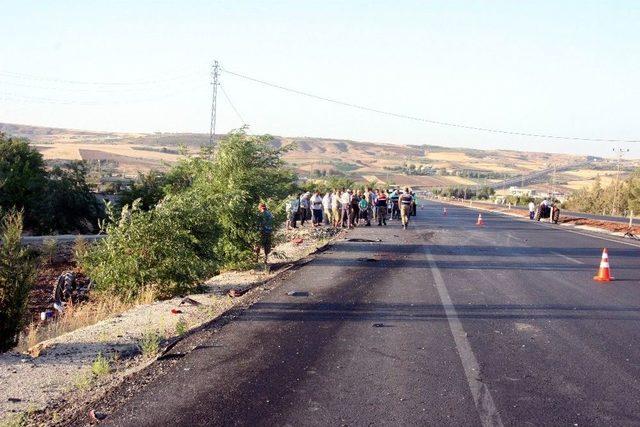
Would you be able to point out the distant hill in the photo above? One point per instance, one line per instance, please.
(415, 165)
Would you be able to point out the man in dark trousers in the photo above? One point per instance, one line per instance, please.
(381, 204)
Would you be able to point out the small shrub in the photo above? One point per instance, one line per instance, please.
(100, 367)
(80, 248)
(149, 344)
(181, 327)
(83, 381)
(16, 420)
(49, 249)
(17, 274)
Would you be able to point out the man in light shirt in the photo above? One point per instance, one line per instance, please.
(345, 200)
(532, 209)
(326, 206)
(335, 207)
(316, 209)
(304, 208)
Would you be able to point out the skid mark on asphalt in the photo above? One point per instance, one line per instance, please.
(485, 405)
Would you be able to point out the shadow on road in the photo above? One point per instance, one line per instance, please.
(428, 312)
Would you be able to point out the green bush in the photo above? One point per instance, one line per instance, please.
(169, 249)
(17, 274)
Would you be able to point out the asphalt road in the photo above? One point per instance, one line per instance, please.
(445, 323)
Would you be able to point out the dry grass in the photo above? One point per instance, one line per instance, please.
(577, 185)
(450, 156)
(590, 173)
(459, 180)
(76, 317)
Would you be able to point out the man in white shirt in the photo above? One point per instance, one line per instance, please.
(316, 209)
(326, 207)
(532, 209)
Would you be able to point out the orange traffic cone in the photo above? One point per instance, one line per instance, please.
(444, 211)
(480, 221)
(604, 273)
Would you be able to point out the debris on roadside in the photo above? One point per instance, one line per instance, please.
(189, 301)
(237, 292)
(298, 294)
(96, 417)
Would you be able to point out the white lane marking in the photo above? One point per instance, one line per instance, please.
(573, 260)
(485, 406)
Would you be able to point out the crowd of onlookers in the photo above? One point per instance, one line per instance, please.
(347, 208)
(344, 208)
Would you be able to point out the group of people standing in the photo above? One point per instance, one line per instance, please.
(347, 208)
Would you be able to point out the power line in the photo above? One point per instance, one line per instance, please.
(224, 92)
(22, 76)
(420, 119)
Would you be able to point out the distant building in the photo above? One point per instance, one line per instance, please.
(522, 192)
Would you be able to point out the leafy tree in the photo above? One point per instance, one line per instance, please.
(22, 178)
(149, 188)
(247, 170)
(68, 204)
(633, 192)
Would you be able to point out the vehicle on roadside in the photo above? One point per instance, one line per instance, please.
(547, 211)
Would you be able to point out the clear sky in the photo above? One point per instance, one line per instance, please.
(558, 67)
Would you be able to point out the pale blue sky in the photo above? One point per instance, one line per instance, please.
(559, 67)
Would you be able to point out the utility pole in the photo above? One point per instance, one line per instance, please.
(620, 152)
(215, 74)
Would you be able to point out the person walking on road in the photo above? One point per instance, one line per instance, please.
(326, 207)
(404, 201)
(355, 208)
(304, 208)
(364, 207)
(266, 230)
(335, 207)
(381, 204)
(414, 202)
(345, 200)
(395, 211)
(532, 210)
(316, 209)
(292, 208)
